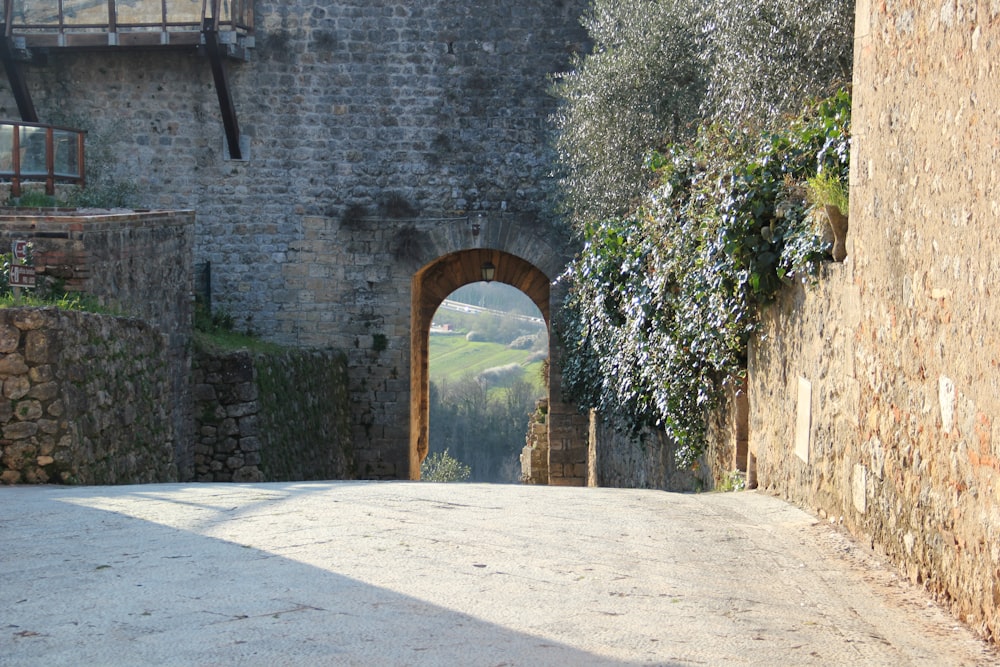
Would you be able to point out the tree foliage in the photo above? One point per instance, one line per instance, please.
(658, 68)
(640, 85)
(483, 426)
(768, 57)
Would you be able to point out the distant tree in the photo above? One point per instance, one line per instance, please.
(480, 426)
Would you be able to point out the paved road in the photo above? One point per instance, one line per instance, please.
(409, 573)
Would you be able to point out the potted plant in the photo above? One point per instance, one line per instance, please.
(830, 204)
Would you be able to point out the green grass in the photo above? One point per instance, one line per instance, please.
(453, 357)
(220, 342)
(71, 301)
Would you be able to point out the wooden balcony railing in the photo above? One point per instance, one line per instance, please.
(30, 152)
(221, 29)
(102, 23)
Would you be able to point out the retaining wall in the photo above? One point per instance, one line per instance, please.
(270, 417)
(875, 396)
(137, 263)
(86, 399)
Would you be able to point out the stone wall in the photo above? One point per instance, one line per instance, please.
(86, 399)
(354, 109)
(370, 123)
(280, 416)
(875, 396)
(535, 454)
(644, 460)
(134, 263)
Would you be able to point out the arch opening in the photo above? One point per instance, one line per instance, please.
(488, 349)
(432, 284)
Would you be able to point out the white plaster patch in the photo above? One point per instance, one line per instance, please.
(946, 398)
(860, 486)
(877, 456)
(803, 419)
(948, 13)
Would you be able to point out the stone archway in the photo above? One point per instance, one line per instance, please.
(431, 285)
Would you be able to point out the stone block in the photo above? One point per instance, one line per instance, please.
(10, 338)
(12, 364)
(20, 430)
(29, 319)
(204, 392)
(38, 349)
(242, 409)
(16, 387)
(44, 391)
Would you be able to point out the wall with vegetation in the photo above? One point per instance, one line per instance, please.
(137, 263)
(643, 459)
(85, 399)
(271, 416)
(875, 395)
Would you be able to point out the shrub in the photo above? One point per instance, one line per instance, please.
(442, 467)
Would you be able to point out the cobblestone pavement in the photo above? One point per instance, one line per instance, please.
(407, 573)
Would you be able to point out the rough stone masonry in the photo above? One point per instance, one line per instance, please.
(366, 120)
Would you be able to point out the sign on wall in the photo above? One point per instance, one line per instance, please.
(20, 275)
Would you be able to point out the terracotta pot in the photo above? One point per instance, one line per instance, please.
(838, 225)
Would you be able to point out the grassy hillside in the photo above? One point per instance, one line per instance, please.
(453, 357)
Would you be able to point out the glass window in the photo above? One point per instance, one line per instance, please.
(66, 145)
(79, 12)
(6, 149)
(33, 151)
(141, 12)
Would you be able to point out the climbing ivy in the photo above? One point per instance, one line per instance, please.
(662, 302)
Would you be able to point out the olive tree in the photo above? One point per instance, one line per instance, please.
(658, 69)
(640, 86)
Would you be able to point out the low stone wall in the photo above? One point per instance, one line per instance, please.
(281, 416)
(86, 399)
(642, 460)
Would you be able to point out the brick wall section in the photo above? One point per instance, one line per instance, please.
(280, 416)
(85, 399)
(135, 263)
(896, 354)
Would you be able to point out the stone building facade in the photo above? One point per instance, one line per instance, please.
(875, 395)
(374, 128)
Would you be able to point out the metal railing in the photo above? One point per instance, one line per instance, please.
(31, 152)
(65, 17)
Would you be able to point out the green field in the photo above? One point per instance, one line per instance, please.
(452, 358)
